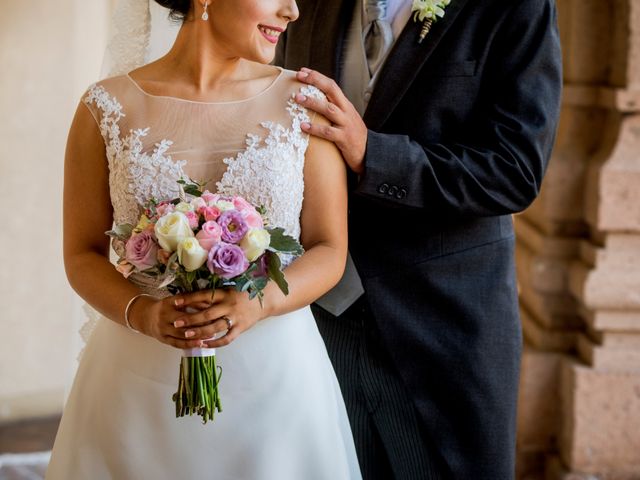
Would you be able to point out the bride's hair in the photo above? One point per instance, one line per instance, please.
(179, 8)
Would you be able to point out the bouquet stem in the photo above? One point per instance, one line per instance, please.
(198, 388)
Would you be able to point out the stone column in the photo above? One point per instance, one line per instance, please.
(579, 262)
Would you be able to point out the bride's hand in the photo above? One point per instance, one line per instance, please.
(227, 308)
(156, 317)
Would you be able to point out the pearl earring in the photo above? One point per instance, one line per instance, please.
(205, 14)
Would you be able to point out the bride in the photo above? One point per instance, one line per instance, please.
(213, 110)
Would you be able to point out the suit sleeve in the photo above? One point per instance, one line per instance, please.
(496, 168)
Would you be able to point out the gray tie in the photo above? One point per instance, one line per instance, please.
(377, 34)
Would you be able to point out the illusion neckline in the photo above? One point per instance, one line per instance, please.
(229, 102)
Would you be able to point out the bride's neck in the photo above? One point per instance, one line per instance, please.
(200, 60)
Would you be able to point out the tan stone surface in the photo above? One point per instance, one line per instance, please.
(609, 289)
(622, 358)
(558, 210)
(538, 401)
(552, 310)
(613, 196)
(539, 242)
(616, 339)
(545, 274)
(619, 99)
(585, 35)
(621, 252)
(600, 430)
(612, 320)
(544, 338)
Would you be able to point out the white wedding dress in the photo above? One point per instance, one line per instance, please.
(283, 414)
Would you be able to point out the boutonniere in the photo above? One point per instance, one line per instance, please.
(427, 12)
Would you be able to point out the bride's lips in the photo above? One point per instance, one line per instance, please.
(270, 33)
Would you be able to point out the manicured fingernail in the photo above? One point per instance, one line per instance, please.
(178, 301)
(303, 74)
(300, 98)
(305, 126)
(178, 323)
(189, 333)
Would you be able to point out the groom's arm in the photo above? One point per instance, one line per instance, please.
(498, 167)
(501, 169)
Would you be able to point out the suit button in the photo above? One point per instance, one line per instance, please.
(393, 190)
(401, 194)
(383, 188)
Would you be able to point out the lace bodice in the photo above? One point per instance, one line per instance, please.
(253, 147)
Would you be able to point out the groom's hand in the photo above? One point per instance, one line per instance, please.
(347, 130)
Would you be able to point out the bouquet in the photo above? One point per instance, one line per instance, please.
(202, 241)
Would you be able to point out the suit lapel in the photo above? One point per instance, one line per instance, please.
(403, 64)
(328, 34)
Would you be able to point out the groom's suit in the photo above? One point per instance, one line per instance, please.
(460, 132)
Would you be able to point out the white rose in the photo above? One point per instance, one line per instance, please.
(255, 242)
(191, 255)
(171, 230)
(224, 205)
(184, 207)
(198, 203)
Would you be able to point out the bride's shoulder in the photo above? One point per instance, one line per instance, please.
(107, 90)
(292, 86)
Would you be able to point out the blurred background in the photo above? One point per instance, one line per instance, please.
(578, 246)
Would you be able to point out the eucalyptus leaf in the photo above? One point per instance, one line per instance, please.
(275, 273)
(281, 242)
(121, 232)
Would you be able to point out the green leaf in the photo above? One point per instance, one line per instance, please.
(281, 242)
(192, 189)
(275, 273)
(121, 232)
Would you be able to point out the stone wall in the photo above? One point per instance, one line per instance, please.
(579, 262)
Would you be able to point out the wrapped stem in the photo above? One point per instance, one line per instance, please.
(198, 381)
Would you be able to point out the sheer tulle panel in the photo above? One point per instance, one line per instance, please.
(202, 134)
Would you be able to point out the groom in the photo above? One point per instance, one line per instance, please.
(445, 139)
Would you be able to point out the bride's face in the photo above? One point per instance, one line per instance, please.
(250, 28)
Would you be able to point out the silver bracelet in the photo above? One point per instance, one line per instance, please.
(129, 305)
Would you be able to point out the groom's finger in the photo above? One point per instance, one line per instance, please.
(327, 132)
(325, 84)
(323, 107)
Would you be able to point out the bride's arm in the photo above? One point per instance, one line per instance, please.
(324, 237)
(87, 214)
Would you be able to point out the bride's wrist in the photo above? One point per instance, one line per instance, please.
(135, 312)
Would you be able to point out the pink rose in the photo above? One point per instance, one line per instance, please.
(209, 235)
(253, 218)
(193, 218)
(241, 204)
(209, 198)
(141, 250)
(210, 213)
(164, 208)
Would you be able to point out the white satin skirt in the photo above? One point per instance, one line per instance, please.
(283, 414)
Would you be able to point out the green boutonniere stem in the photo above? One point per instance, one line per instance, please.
(426, 26)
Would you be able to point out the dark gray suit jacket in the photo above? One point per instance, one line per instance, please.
(460, 132)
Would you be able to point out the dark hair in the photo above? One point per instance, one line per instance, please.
(179, 8)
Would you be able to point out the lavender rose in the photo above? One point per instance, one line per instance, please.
(141, 250)
(227, 260)
(233, 226)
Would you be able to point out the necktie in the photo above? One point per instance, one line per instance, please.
(377, 34)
